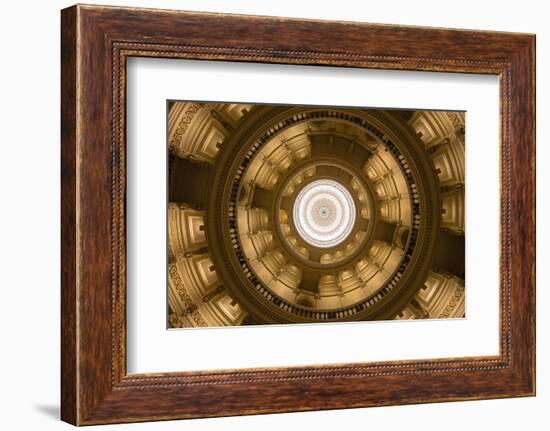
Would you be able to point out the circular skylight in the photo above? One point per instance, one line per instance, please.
(324, 213)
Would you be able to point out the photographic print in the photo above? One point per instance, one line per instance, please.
(313, 214)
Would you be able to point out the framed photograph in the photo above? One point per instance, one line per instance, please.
(266, 215)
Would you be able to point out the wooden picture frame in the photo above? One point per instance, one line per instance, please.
(96, 41)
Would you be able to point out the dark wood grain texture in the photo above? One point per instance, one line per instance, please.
(96, 41)
(68, 217)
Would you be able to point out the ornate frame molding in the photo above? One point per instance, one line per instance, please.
(96, 41)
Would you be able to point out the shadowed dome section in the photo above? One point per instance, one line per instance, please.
(324, 213)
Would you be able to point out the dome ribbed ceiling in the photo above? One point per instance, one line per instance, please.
(300, 214)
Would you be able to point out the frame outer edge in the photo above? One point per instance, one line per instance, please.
(532, 82)
(523, 216)
(69, 194)
(533, 54)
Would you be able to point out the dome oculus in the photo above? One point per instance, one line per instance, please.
(324, 213)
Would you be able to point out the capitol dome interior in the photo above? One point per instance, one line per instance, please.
(312, 214)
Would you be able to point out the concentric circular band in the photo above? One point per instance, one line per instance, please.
(324, 213)
(274, 272)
